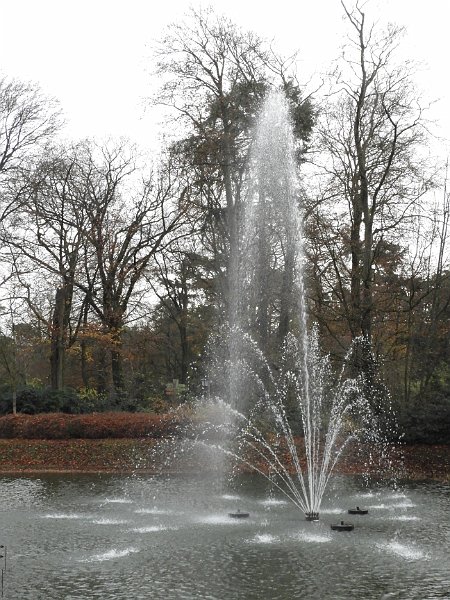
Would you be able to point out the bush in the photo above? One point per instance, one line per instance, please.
(33, 400)
(36, 400)
(58, 426)
(154, 404)
(86, 400)
(29, 401)
(427, 421)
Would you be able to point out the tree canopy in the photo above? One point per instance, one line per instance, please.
(114, 274)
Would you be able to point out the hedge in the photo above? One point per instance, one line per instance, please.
(59, 426)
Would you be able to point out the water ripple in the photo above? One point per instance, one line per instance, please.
(404, 550)
(112, 554)
(65, 516)
(313, 537)
(151, 529)
(264, 538)
(153, 511)
(106, 521)
(117, 501)
(220, 520)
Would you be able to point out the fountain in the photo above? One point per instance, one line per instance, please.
(286, 415)
(290, 420)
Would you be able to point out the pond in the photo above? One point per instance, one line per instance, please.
(134, 537)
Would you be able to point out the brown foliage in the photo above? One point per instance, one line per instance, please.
(58, 426)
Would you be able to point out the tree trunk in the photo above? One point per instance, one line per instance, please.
(117, 370)
(57, 347)
(83, 345)
(60, 324)
(367, 281)
(184, 351)
(355, 277)
(103, 366)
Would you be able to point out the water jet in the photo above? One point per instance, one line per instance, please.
(290, 423)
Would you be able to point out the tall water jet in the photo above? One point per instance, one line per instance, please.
(282, 410)
(268, 229)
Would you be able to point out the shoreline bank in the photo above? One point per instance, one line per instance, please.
(128, 456)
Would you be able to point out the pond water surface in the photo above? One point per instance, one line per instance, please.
(113, 537)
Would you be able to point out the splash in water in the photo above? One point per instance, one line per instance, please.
(292, 438)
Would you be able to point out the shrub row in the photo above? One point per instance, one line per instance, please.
(35, 400)
(58, 426)
(427, 422)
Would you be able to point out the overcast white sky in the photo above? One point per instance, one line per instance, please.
(94, 55)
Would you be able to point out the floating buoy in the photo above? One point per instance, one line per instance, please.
(357, 511)
(342, 526)
(239, 515)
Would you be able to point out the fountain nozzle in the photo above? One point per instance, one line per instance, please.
(312, 516)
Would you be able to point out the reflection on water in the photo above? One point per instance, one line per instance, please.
(152, 511)
(264, 538)
(106, 521)
(65, 516)
(151, 529)
(114, 538)
(273, 502)
(21, 492)
(313, 537)
(404, 551)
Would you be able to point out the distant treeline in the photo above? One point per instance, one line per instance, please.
(113, 274)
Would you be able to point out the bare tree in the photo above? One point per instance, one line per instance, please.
(215, 76)
(28, 120)
(372, 135)
(46, 240)
(8, 352)
(176, 281)
(427, 299)
(125, 229)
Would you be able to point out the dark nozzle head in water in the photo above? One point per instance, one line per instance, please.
(239, 515)
(312, 516)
